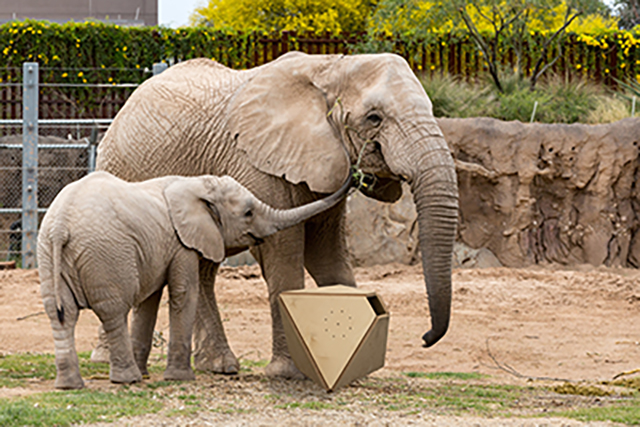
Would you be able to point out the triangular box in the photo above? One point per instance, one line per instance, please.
(335, 334)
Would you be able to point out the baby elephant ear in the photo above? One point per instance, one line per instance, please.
(191, 218)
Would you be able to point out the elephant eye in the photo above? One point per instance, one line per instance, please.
(374, 119)
(248, 214)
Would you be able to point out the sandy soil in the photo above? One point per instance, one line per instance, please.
(579, 324)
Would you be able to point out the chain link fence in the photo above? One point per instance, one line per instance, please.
(38, 158)
(66, 153)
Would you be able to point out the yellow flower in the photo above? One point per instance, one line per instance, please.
(80, 74)
(84, 80)
(55, 58)
(101, 65)
(64, 75)
(433, 67)
(124, 49)
(137, 65)
(110, 79)
(578, 66)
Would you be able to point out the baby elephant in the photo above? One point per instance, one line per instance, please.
(110, 245)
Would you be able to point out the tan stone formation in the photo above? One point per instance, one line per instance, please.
(529, 193)
(538, 193)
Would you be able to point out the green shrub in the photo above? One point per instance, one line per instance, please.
(558, 100)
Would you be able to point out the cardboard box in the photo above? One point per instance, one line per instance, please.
(335, 334)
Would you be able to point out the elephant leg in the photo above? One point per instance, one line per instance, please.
(326, 256)
(212, 352)
(67, 366)
(123, 366)
(100, 353)
(281, 260)
(183, 296)
(143, 321)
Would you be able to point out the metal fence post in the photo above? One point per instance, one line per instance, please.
(29, 163)
(159, 67)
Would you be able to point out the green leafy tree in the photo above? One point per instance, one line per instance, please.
(495, 25)
(272, 16)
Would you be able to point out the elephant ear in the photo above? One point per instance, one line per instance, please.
(192, 219)
(279, 119)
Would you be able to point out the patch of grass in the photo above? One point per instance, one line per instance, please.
(14, 368)
(474, 399)
(464, 376)
(72, 407)
(27, 365)
(248, 365)
(626, 411)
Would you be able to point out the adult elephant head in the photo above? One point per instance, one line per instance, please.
(288, 131)
(296, 117)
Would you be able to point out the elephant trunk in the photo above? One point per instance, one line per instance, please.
(427, 163)
(284, 218)
(437, 219)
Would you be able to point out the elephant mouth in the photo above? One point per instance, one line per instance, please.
(256, 240)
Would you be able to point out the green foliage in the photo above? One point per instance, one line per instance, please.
(116, 53)
(74, 407)
(453, 97)
(535, 26)
(274, 16)
(558, 101)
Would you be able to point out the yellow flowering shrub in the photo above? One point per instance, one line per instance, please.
(274, 16)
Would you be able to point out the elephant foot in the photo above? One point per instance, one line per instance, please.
(225, 363)
(125, 376)
(100, 354)
(283, 367)
(175, 374)
(69, 382)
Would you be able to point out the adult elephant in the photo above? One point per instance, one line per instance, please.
(282, 130)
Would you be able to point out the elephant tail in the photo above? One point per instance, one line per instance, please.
(57, 242)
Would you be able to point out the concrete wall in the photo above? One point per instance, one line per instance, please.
(121, 11)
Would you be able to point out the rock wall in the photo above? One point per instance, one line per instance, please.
(529, 194)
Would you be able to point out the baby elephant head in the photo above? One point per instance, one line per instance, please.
(212, 213)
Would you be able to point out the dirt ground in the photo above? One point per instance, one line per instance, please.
(577, 324)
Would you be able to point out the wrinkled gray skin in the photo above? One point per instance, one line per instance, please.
(110, 245)
(281, 130)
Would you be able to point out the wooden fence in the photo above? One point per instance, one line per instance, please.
(456, 57)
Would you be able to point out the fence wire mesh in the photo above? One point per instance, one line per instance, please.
(61, 114)
(66, 153)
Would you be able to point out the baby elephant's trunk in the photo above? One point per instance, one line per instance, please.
(284, 218)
